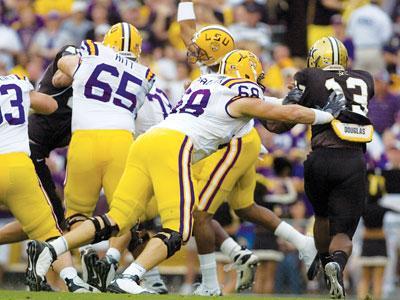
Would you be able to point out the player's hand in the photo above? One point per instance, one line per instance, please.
(336, 104)
(293, 97)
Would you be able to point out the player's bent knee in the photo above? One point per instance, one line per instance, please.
(138, 238)
(104, 229)
(74, 219)
(172, 239)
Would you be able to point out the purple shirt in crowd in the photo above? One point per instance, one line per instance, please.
(382, 113)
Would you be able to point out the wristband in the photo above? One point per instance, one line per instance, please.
(185, 11)
(321, 117)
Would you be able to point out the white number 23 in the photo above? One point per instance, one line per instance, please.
(351, 83)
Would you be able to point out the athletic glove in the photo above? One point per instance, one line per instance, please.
(336, 104)
(293, 97)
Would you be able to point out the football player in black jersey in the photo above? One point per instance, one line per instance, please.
(335, 170)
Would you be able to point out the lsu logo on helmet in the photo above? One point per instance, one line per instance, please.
(243, 64)
(327, 52)
(210, 44)
(125, 39)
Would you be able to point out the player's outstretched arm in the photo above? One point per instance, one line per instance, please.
(257, 108)
(187, 21)
(42, 103)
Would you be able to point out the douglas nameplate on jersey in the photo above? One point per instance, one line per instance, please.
(353, 132)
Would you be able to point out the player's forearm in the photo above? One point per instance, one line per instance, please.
(187, 21)
(300, 114)
(42, 103)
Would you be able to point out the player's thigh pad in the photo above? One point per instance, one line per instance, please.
(134, 189)
(84, 173)
(242, 195)
(222, 170)
(117, 144)
(21, 192)
(171, 174)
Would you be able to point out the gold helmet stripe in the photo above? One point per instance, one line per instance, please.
(129, 37)
(335, 50)
(125, 36)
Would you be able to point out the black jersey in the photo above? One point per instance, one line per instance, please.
(54, 130)
(317, 84)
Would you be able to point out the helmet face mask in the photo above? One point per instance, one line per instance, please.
(196, 54)
(125, 39)
(209, 45)
(327, 53)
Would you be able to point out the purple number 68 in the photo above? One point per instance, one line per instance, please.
(196, 103)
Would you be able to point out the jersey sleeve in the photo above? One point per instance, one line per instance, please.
(88, 48)
(242, 88)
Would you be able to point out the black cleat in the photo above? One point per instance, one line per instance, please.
(334, 280)
(105, 269)
(77, 285)
(40, 257)
(127, 284)
(89, 259)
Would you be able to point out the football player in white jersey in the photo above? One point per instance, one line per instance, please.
(222, 178)
(99, 273)
(110, 86)
(20, 189)
(211, 112)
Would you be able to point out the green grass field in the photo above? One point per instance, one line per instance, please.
(18, 295)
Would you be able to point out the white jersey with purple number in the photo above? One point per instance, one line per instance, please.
(14, 110)
(203, 112)
(155, 109)
(108, 89)
(205, 70)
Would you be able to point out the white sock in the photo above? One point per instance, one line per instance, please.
(68, 272)
(208, 268)
(135, 269)
(230, 248)
(60, 245)
(288, 233)
(114, 253)
(153, 275)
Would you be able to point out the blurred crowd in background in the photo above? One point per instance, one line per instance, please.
(280, 32)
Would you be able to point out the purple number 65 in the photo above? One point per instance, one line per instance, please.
(125, 100)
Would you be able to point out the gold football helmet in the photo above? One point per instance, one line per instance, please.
(210, 44)
(242, 64)
(125, 39)
(327, 52)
